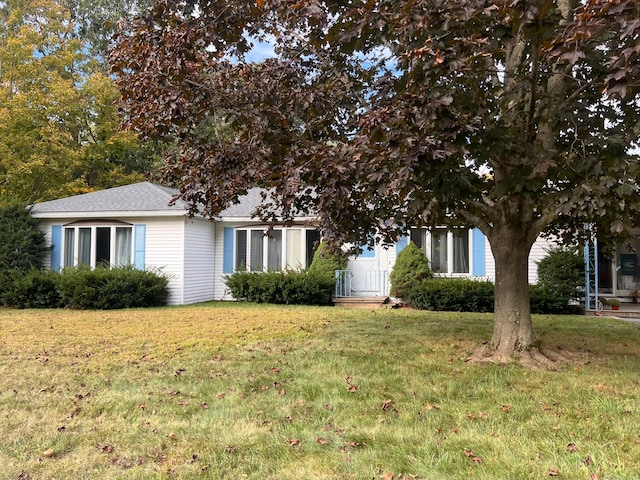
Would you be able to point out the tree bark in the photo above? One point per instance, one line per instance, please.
(513, 329)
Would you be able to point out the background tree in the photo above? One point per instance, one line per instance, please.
(380, 115)
(96, 21)
(58, 121)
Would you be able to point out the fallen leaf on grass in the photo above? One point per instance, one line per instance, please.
(107, 449)
(204, 405)
(588, 461)
(352, 389)
(572, 448)
(553, 472)
(506, 408)
(322, 441)
(388, 406)
(49, 453)
(294, 442)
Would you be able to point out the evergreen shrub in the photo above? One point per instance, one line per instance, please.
(453, 295)
(411, 268)
(22, 243)
(34, 289)
(112, 288)
(326, 261)
(289, 287)
(561, 275)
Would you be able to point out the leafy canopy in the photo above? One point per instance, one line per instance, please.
(417, 111)
(515, 116)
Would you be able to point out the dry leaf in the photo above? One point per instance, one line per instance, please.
(322, 441)
(294, 442)
(572, 448)
(352, 389)
(49, 453)
(553, 472)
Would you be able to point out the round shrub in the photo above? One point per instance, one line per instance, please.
(411, 268)
(562, 272)
(327, 260)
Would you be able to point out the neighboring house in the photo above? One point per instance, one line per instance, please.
(136, 224)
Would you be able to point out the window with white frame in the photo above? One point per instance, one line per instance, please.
(257, 249)
(447, 250)
(97, 244)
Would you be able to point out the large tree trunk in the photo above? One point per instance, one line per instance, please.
(513, 329)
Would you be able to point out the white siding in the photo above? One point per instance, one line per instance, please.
(165, 250)
(198, 261)
(538, 252)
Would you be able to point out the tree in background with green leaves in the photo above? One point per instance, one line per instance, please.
(58, 120)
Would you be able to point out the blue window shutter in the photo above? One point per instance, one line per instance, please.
(139, 243)
(56, 247)
(401, 244)
(227, 250)
(478, 247)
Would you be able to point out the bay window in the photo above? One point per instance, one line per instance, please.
(97, 244)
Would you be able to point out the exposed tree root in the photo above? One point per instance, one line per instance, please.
(534, 358)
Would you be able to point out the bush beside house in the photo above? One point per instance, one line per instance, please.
(22, 243)
(84, 288)
(288, 288)
(314, 286)
(411, 267)
(453, 295)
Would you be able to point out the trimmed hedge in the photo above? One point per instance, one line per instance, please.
(34, 289)
(83, 288)
(464, 295)
(453, 295)
(289, 288)
(108, 289)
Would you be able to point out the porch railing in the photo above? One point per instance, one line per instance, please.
(361, 283)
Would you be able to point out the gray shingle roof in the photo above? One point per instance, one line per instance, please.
(138, 197)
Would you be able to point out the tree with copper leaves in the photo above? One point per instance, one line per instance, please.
(517, 117)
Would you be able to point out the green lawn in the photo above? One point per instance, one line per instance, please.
(262, 392)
